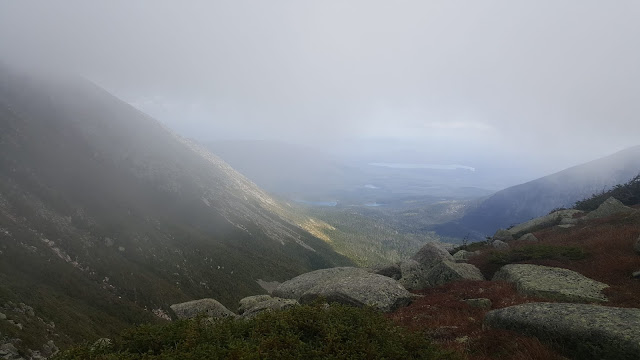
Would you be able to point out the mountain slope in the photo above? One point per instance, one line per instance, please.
(525, 201)
(105, 215)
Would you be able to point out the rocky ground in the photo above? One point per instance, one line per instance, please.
(561, 286)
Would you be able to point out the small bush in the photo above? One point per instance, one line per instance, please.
(537, 252)
(305, 332)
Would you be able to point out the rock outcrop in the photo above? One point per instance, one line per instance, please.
(607, 208)
(636, 246)
(210, 307)
(555, 218)
(551, 283)
(580, 330)
(352, 286)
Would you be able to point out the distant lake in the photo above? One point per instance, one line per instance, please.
(423, 166)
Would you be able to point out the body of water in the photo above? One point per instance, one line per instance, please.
(424, 166)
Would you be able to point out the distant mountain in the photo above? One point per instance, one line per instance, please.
(107, 218)
(535, 198)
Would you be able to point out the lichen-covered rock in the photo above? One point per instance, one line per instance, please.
(431, 254)
(580, 330)
(499, 245)
(351, 286)
(294, 288)
(251, 301)
(502, 235)
(414, 275)
(607, 208)
(210, 307)
(551, 283)
(252, 307)
(389, 270)
(557, 217)
(447, 271)
(528, 237)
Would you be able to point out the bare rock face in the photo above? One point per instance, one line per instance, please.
(210, 307)
(607, 208)
(582, 331)
(552, 283)
(446, 272)
(351, 286)
(431, 254)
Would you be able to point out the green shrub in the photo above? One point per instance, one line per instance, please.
(537, 252)
(304, 332)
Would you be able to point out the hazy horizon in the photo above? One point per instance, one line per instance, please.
(539, 85)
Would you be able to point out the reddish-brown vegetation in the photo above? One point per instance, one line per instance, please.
(442, 315)
(445, 318)
(610, 258)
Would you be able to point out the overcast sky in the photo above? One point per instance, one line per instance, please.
(554, 82)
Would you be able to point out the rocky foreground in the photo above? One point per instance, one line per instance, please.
(579, 321)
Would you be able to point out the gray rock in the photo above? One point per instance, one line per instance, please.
(350, 286)
(636, 274)
(414, 275)
(446, 272)
(462, 255)
(251, 301)
(552, 219)
(609, 207)
(636, 246)
(431, 254)
(212, 308)
(482, 303)
(3, 316)
(566, 226)
(271, 304)
(9, 349)
(551, 283)
(294, 288)
(389, 270)
(500, 245)
(503, 235)
(528, 237)
(580, 330)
